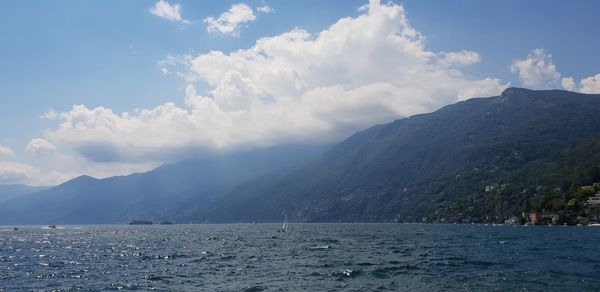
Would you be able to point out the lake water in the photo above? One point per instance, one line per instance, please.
(324, 257)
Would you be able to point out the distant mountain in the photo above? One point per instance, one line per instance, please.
(8, 192)
(165, 193)
(420, 167)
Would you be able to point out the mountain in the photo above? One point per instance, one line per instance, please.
(165, 193)
(479, 160)
(8, 192)
(419, 167)
(558, 184)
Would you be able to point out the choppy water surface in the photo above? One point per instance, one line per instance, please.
(330, 257)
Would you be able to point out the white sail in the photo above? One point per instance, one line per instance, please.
(284, 227)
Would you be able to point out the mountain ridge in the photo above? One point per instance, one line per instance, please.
(398, 171)
(159, 194)
(10, 191)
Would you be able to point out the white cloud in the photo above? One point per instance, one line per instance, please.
(230, 21)
(459, 58)
(291, 88)
(179, 65)
(481, 88)
(590, 84)
(265, 9)
(53, 178)
(51, 114)
(15, 172)
(568, 83)
(6, 152)
(21, 173)
(41, 147)
(537, 71)
(167, 11)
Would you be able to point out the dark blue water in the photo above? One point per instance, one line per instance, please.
(324, 257)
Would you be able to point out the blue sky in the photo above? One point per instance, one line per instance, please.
(57, 54)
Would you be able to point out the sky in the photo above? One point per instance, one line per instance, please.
(107, 88)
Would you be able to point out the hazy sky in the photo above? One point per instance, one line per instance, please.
(112, 87)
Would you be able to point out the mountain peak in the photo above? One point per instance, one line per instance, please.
(83, 178)
(517, 92)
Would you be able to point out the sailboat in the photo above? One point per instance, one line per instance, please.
(284, 227)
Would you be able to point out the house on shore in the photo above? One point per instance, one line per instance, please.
(594, 200)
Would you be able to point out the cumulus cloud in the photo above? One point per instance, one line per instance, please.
(51, 114)
(168, 11)
(6, 152)
(459, 58)
(41, 147)
(568, 83)
(265, 9)
(290, 88)
(229, 22)
(21, 173)
(589, 85)
(15, 172)
(537, 71)
(481, 88)
(179, 65)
